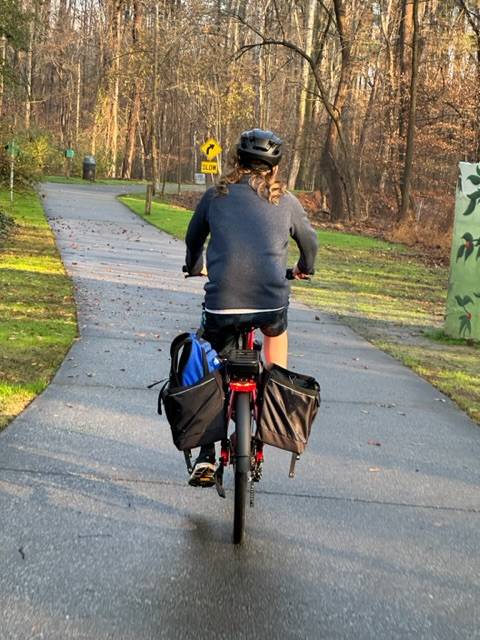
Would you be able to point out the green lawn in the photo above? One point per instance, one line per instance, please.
(385, 292)
(78, 180)
(37, 310)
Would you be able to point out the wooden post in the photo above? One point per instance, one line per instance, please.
(148, 200)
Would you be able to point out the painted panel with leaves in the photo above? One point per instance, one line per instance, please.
(463, 302)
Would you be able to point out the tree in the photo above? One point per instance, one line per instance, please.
(472, 13)
(410, 29)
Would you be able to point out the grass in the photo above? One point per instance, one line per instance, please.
(37, 310)
(174, 220)
(78, 180)
(387, 293)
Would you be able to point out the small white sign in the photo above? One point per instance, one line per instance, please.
(199, 178)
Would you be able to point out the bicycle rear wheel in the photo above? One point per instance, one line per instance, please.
(243, 431)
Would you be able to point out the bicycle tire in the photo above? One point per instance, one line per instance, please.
(243, 431)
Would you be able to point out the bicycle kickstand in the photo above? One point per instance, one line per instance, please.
(295, 457)
(219, 480)
(188, 460)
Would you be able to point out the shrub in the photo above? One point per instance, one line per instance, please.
(37, 155)
(6, 224)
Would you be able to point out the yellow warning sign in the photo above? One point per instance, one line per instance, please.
(211, 148)
(209, 167)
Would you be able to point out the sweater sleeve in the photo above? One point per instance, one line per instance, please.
(197, 233)
(305, 237)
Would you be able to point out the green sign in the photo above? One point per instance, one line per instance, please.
(12, 149)
(69, 153)
(462, 319)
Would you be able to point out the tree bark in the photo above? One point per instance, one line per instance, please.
(3, 57)
(473, 17)
(135, 97)
(337, 161)
(405, 212)
(302, 105)
(77, 106)
(154, 108)
(116, 89)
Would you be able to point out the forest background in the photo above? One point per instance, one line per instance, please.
(377, 101)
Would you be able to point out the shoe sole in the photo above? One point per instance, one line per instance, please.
(203, 475)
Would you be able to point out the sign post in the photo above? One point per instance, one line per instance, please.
(13, 150)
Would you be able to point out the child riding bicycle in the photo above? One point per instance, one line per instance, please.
(250, 217)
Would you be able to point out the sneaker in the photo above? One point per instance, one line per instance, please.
(203, 474)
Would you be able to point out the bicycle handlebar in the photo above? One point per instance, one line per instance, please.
(288, 274)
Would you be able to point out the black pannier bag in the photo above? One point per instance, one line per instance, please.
(196, 413)
(288, 404)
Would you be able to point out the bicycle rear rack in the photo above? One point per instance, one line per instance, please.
(243, 364)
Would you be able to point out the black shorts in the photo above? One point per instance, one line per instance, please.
(223, 330)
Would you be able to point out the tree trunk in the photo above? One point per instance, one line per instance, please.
(477, 119)
(405, 210)
(77, 109)
(29, 74)
(337, 160)
(154, 107)
(116, 90)
(3, 57)
(405, 42)
(134, 110)
(302, 105)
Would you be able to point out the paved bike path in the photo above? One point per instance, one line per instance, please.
(101, 538)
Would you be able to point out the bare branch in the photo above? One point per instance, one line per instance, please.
(472, 16)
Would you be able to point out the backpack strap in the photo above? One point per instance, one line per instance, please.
(175, 348)
(199, 336)
(204, 359)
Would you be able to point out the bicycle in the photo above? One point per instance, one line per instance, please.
(242, 449)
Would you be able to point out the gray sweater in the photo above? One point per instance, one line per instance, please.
(247, 251)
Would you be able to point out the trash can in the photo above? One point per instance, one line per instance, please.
(89, 168)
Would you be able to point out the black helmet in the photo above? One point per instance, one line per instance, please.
(264, 147)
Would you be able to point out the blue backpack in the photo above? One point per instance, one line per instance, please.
(192, 358)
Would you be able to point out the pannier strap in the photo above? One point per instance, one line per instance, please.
(154, 384)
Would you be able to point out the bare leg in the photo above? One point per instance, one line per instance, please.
(276, 349)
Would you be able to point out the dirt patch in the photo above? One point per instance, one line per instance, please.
(188, 200)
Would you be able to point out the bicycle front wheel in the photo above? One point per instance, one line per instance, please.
(243, 432)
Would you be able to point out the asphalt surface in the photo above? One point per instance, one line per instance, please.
(101, 538)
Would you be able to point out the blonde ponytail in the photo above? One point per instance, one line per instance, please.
(262, 180)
